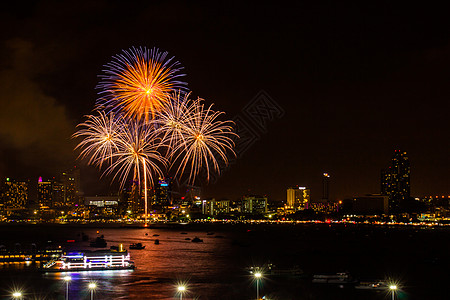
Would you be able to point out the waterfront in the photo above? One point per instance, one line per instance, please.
(215, 269)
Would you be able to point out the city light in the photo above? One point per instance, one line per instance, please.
(258, 276)
(67, 279)
(181, 290)
(393, 288)
(17, 295)
(92, 286)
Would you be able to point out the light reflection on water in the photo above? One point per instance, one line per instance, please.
(159, 268)
(214, 269)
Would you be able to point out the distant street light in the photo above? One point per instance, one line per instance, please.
(92, 287)
(67, 279)
(181, 290)
(17, 295)
(258, 277)
(393, 288)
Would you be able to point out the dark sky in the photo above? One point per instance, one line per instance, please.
(355, 82)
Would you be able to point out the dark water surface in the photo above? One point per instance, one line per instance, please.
(417, 258)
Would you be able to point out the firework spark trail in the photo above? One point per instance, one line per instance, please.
(172, 121)
(100, 137)
(137, 145)
(138, 82)
(204, 138)
(125, 144)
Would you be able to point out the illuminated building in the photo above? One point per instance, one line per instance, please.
(134, 201)
(14, 195)
(57, 194)
(102, 206)
(325, 207)
(215, 207)
(395, 180)
(254, 205)
(162, 194)
(71, 187)
(45, 193)
(298, 198)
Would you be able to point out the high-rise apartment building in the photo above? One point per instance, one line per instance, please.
(45, 193)
(298, 198)
(395, 180)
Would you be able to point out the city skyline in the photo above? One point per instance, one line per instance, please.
(354, 85)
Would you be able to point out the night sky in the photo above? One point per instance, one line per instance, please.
(354, 82)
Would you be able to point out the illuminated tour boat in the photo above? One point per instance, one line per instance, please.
(90, 261)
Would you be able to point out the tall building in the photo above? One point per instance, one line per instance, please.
(254, 205)
(395, 180)
(298, 198)
(57, 194)
(326, 187)
(45, 193)
(71, 187)
(162, 194)
(14, 195)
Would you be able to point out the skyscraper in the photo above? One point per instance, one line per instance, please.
(45, 193)
(395, 180)
(162, 194)
(326, 187)
(71, 187)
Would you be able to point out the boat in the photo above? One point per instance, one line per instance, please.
(137, 246)
(29, 255)
(156, 234)
(209, 233)
(338, 278)
(372, 285)
(99, 242)
(90, 261)
(117, 248)
(272, 270)
(197, 240)
(156, 242)
(276, 271)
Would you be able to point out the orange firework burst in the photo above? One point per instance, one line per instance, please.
(138, 82)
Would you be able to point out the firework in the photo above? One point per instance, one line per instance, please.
(137, 146)
(205, 141)
(101, 136)
(172, 121)
(138, 82)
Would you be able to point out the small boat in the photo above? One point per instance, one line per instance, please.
(99, 242)
(293, 271)
(197, 240)
(156, 242)
(372, 285)
(209, 233)
(117, 248)
(187, 239)
(338, 278)
(183, 233)
(137, 246)
(156, 234)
